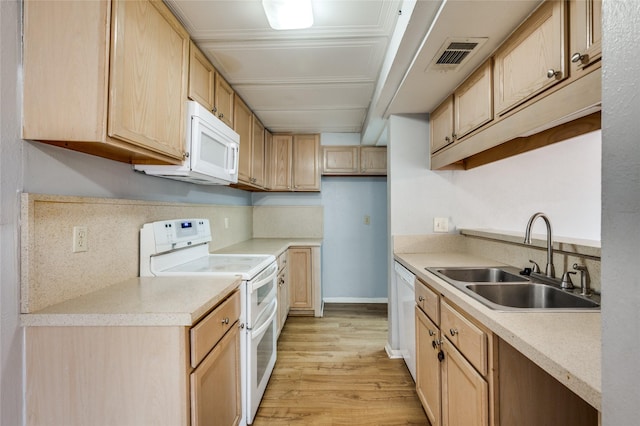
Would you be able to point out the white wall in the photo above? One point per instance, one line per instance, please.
(562, 180)
(620, 214)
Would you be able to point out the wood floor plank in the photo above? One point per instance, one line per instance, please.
(334, 371)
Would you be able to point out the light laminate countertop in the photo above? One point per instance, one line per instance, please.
(156, 301)
(274, 246)
(148, 301)
(567, 345)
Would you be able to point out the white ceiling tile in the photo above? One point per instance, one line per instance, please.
(316, 121)
(313, 61)
(301, 97)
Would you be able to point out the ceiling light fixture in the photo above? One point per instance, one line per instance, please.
(288, 14)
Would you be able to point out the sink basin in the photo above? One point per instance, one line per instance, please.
(532, 296)
(480, 275)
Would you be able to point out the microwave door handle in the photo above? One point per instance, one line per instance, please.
(234, 162)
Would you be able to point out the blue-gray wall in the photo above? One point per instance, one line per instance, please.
(354, 255)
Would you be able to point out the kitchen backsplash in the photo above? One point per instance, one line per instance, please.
(288, 222)
(52, 273)
(508, 248)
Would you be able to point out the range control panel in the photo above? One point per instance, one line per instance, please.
(169, 235)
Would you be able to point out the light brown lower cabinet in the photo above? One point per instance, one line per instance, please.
(304, 278)
(467, 376)
(136, 375)
(428, 377)
(465, 393)
(284, 301)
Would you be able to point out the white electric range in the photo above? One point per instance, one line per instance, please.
(180, 247)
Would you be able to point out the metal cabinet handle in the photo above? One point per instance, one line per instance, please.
(221, 115)
(553, 73)
(226, 320)
(447, 139)
(453, 331)
(215, 109)
(579, 57)
(432, 333)
(421, 298)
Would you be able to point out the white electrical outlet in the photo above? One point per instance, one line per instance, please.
(440, 224)
(226, 223)
(80, 239)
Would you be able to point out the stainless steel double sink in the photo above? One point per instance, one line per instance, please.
(504, 289)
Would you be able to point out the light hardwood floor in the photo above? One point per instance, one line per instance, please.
(335, 371)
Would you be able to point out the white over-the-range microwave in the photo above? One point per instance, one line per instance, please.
(211, 149)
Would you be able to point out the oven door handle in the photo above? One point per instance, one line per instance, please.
(272, 275)
(274, 310)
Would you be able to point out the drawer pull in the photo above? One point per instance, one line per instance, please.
(432, 333)
(421, 298)
(453, 331)
(226, 320)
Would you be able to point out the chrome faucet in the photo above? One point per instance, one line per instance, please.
(549, 270)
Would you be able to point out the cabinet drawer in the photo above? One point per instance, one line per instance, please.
(428, 301)
(210, 330)
(469, 339)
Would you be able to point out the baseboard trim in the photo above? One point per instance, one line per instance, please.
(392, 353)
(355, 300)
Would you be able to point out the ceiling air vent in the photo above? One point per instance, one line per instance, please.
(454, 53)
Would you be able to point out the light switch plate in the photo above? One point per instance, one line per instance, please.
(440, 224)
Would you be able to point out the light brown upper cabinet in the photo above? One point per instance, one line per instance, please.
(106, 79)
(585, 38)
(340, 160)
(354, 160)
(208, 87)
(257, 153)
(202, 78)
(251, 164)
(243, 125)
(533, 58)
(279, 150)
(294, 163)
(473, 101)
(224, 101)
(373, 160)
(306, 162)
(441, 124)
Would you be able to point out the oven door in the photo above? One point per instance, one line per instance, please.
(261, 358)
(261, 290)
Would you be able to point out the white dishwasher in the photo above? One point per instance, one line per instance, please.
(405, 281)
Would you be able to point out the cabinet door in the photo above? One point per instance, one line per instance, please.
(373, 160)
(224, 105)
(257, 153)
(201, 77)
(68, 102)
(306, 163)
(300, 278)
(280, 162)
(428, 380)
(533, 58)
(243, 120)
(340, 160)
(148, 76)
(465, 394)
(473, 101)
(585, 33)
(441, 122)
(215, 385)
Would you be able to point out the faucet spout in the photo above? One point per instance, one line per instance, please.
(549, 270)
